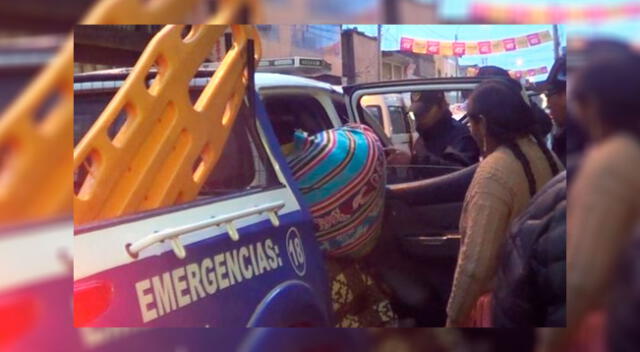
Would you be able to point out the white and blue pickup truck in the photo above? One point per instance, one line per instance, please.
(250, 254)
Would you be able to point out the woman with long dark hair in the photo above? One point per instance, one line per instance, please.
(515, 164)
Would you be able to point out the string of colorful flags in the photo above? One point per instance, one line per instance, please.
(485, 11)
(485, 47)
(517, 74)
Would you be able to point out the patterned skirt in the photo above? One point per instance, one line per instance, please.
(358, 298)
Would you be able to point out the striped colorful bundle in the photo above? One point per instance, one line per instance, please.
(341, 173)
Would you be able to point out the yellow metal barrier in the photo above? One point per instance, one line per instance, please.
(167, 146)
(35, 144)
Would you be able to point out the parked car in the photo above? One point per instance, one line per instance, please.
(392, 114)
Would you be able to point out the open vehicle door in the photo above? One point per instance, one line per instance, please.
(422, 215)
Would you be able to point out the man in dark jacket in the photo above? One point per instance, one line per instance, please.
(555, 89)
(531, 282)
(443, 141)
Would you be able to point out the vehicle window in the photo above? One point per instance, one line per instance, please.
(404, 166)
(368, 120)
(243, 165)
(455, 97)
(458, 103)
(458, 110)
(292, 112)
(341, 109)
(376, 112)
(398, 119)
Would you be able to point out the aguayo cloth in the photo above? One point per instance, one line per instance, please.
(359, 299)
(341, 173)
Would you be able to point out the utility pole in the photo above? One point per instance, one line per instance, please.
(379, 52)
(556, 42)
(455, 40)
(457, 58)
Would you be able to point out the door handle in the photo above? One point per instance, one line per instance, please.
(173, 234)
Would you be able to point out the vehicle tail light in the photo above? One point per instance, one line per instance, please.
(17, 316)
(90, 300)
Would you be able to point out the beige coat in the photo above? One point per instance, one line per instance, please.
(498, 193)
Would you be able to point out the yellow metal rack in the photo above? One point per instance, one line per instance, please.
(167, 146)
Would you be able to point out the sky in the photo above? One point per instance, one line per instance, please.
(460, 8)
(534, 57)
(626, 29)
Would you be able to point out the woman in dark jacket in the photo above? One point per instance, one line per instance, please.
(531, 282)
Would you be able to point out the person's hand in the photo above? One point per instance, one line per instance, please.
(397, 156)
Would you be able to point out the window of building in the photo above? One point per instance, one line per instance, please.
(386, 71)
(397, 72)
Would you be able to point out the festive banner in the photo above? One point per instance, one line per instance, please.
(433, 47)
(485, 47)
(517, 74)
(497, 46)
(522, 42)
(419, 47)
(446, 47)
(406, 44)
(534, 39)
(472, 48)
(459, 49)
(509, 44)
(485, 11)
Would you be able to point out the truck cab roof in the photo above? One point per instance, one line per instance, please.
(114, 78)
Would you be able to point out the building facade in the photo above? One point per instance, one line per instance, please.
(404, 65)
(446, 66)
(304, 43)
(360, 57)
